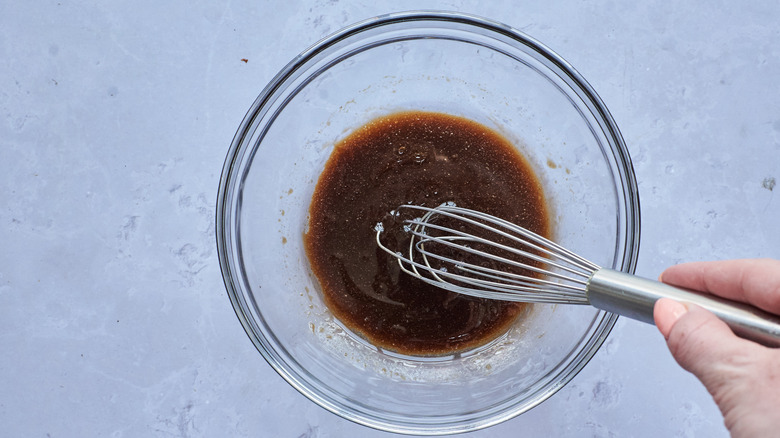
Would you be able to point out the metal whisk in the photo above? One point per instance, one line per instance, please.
(473, 253)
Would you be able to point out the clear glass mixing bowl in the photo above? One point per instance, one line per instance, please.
(452, 63)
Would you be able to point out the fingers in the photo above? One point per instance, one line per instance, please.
(755, 281)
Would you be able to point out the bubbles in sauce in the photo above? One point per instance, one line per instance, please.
(420, 158)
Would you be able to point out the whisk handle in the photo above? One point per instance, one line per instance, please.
(634, 297)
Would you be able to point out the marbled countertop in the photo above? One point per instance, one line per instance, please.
(115, 118)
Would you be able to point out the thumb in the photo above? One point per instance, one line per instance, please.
(741, 376)
(700, 342)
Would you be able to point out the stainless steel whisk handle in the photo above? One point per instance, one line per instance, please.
(635, 297)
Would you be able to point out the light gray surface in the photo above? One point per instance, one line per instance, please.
(114, 122)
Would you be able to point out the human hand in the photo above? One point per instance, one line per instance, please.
(743, 377)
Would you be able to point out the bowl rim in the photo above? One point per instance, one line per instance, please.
(225, 248)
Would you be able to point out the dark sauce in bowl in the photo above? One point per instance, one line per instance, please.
(419, 158)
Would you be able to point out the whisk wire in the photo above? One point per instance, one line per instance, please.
(517, 282)
(499, 274)
(523, 287)
(425, 237)
(545, 245)
(553, 293)
(525, 284)
(486, 289)
(548, 273)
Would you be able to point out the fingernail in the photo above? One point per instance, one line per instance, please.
(666, 313)
(677, 310)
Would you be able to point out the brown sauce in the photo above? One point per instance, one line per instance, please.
(413, 158)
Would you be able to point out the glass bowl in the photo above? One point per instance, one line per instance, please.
(431, 61)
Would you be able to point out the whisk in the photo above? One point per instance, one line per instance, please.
(473, 253)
